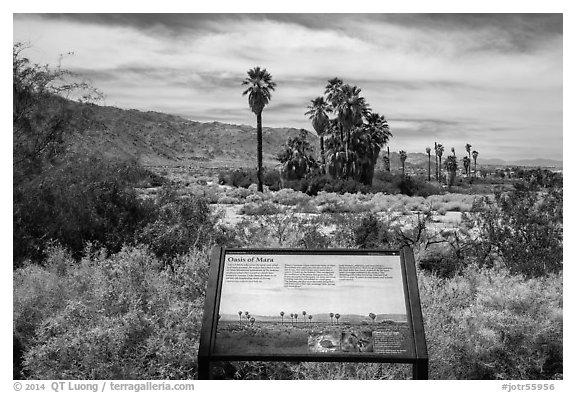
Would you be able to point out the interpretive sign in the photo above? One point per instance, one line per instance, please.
(313, 305)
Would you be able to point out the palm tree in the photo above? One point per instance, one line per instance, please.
(304, 315)
(466, 163)
(260, 86)
(240, 315)
(451, 166)
(350, 109)
(310, 319)
(296, 318)
(372, 316)
(282, 316)
(331, 316)
(403, 157)
(318, 112)
(439, 152)
(337, 316)
(475, 156)
(468, 147)
(453, 151)
(428, 152)
(436, 159)
(292, 318)
(332, 91)
(252, 320)
(246, 313)
(367, 141)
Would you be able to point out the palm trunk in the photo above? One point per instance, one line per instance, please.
(322, 155)
(402, 168)
(440, 169)
(475, 168)
(259, 150)
(428, 167)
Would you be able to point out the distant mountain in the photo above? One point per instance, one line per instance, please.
(159, 139)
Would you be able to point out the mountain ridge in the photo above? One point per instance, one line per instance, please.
(160, 139)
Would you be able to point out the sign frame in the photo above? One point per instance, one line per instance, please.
(206, 354)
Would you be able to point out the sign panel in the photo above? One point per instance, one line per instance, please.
(275, 303)
(313, 305)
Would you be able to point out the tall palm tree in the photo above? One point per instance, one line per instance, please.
(439, 152)
(310, 318)
(372, 316)
(451, 166)
(466, 163)
(332, 90)
(337, 316)
(331, 316)
(403, 157)
(453, 151)
(350, 108)
(428, 152)
(240, 315)
(475, 156)
(367, 142)
(282, 316)
(260, 86)
(468, 147)
(318, 112)
(292, 318)
(436, 159)
(304, 315)
(296, 318)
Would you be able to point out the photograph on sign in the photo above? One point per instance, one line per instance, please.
(312, 304)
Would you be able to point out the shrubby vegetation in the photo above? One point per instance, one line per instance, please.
(110, 285)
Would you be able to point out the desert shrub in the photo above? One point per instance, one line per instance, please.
(228, 200)
(490, 324)
(259, 209)
(370, 232)
(317, 184)
(524, 228)
(237, 177)
(289, 197)
(442, 262)
(79, 201)
(181, 223)
(345, 203)
(118, 317)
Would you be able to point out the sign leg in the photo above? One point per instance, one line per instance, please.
(204, 369)
(420, 369)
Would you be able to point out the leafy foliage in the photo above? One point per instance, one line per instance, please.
(82, 200)
(524, 228)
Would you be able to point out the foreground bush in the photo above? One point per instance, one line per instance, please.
(118, 317)
(82, 200)
(490, 324)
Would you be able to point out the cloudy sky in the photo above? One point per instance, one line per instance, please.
(491, 80)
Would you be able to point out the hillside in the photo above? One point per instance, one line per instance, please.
(163, 140)
(158, 139)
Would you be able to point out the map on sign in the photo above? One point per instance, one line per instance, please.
(312, 304)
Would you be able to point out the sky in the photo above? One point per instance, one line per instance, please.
(492, 80)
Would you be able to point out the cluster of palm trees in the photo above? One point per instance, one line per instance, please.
(451, 163)
(248, 317)
(351, 140)
(294, 317)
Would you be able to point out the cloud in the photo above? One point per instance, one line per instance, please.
(463, 78)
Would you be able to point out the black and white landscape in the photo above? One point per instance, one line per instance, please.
(165, 135)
